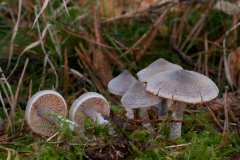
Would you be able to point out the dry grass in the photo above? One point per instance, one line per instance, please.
(78, 46)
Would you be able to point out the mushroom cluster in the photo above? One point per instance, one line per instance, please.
(44, 104)
(156, 84)
(134, 95)
(133, 91)
(164, 81)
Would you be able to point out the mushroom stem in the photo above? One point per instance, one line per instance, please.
(177, 114)
(129, 113)
(43, 112)
(162, 109)
(144, 116)
(46, 114)
(91, 113)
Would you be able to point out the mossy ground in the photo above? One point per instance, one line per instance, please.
(67, 62)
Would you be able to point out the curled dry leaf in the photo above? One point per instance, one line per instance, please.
(234, 67)
(114, 8)
(102, 67)
(228, 7)
(231, 100)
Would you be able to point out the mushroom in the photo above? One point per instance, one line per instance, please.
(182, 86)
(120, 85)
(160, 65)
(92, 105)
(39, 106)
(138, 97)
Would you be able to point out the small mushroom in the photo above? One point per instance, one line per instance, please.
(39, 106)
(138, 97)
(160, 65)
(120, 85)
(92, 105)
(182, 87)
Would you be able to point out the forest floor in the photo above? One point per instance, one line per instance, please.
(78, 46)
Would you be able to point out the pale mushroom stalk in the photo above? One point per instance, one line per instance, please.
(162, 108)
(138, 97)
(45, 113)
(91, 113)
(177, 114)
(130, 113)
(144, 116)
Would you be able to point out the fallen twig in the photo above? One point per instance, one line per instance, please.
(179, 145)
(12, 111)
(215, 118)
(182, 56)
(165, 140)
(153, 121)
(226, 125)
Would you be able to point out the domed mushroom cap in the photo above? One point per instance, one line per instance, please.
(122, 83)
(137, 96)
(160, 65)
(95, 100)
(182, 85)
(54, 103)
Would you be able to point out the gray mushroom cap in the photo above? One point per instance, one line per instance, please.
(93, 99)
(122, 83)
(182, 85)
(50, 99)
(160, 65)
(137, 96)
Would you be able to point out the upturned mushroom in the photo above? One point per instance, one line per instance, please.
(39, 109)
(92, 105)
(160, 65)
(183, 87)
(120, 85)
(138, 97)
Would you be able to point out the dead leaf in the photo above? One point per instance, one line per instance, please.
(234, 156)
(231, 100)
(111, 8)
(234, 67)
(101, 66)
(114, 8)
(228, 7)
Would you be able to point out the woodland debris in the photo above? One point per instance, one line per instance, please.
(228, 7)
(234, 67)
